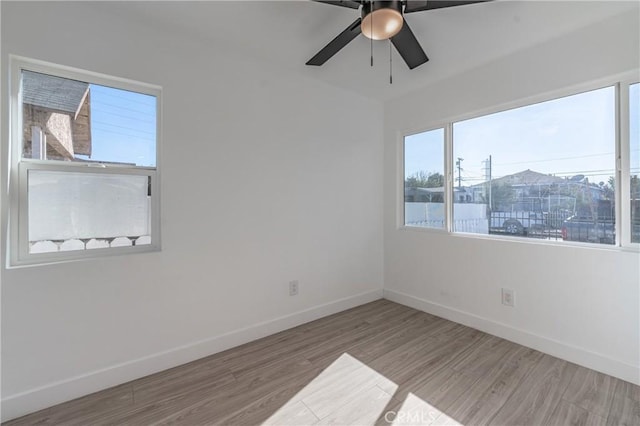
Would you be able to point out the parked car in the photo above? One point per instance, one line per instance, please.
(587, 230)
(597, 226)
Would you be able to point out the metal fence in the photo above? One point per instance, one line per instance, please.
(547, 225)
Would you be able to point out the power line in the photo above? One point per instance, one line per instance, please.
(123, 107)
(126, 99)
(555, 159)
(125, 116)
(127, 134)
(123, 127)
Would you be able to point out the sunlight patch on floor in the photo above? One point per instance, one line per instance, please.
(415, 411)
(348, 392)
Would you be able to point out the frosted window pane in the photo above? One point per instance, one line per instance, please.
(65, 206)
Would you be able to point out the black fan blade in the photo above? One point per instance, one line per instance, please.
(344, 3)
(419, 6)
(336, 44)
(408, 47)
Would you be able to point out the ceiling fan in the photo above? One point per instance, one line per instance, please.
(382, 20)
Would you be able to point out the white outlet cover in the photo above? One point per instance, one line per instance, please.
(508, 297)
(293, 288)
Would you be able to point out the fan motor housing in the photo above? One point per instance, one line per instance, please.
(372, 6)
(381, 20)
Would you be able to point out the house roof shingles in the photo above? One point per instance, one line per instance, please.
(529, 177)
(52, 92)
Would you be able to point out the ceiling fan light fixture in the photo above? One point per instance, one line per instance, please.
(382, 24)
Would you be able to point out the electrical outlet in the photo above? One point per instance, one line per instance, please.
(293, 288)
(508, 297)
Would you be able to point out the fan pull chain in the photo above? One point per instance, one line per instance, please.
(371, 34)
(390, 64)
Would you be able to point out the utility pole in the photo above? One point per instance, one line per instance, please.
(460, 160)
(490, 185)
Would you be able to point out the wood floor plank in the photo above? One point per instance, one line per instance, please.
(364, 409)
(441, 389)
(567, 413)
(487, 395)
(248, 407)
(355, 367)
(342, 366)
(84, 410)
(625, 407)
(326, 399)
(536, 397)
(336, 346)
(388, 414)
(246, 363)
(423, 356)
(414, 327)
(192, 377)
(484, 356)
(592, 391)
(292, 415)
(416, 411)
(39, 418)
(360, 313)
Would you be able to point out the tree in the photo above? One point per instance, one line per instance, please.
(635, 187)
(502, 196)
(609, 188)
(423, 179)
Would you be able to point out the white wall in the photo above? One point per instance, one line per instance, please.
(267, 177)
(581, 304)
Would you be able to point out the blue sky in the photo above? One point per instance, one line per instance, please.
(634, 112)
(565, 137)
(123, 126)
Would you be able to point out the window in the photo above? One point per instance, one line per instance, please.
(544, 171)
(634, 159)
(565, 170)
(84, 176)
(424, 186)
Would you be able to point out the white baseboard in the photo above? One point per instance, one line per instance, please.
(36, 399)
(577, 355)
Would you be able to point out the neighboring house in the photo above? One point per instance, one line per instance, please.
(432, 195)
(529, 190)
(56, 117)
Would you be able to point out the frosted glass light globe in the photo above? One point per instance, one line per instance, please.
(382, 24)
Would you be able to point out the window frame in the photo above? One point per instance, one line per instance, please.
(620, 82)
(18, 241)
(401, 218)
(624, 162)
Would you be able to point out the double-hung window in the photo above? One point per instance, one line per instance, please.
(84, 176)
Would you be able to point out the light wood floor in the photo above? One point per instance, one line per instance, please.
(375, 364)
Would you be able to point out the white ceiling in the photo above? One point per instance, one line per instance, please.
(458, 39)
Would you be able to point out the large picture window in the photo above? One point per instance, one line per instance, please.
(84, 175)
(564, 170)
(544, 171)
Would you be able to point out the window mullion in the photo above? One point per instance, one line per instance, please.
(623, 190)
(448, 167)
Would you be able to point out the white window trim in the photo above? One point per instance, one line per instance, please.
(622, 154)
(624, 162)
(18, 245)
(401, 176)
